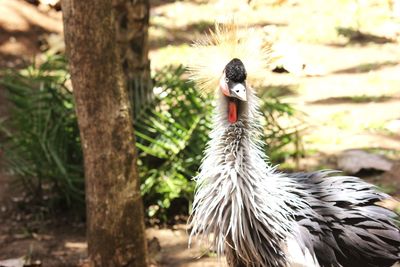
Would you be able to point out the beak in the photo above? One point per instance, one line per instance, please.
(239, 91)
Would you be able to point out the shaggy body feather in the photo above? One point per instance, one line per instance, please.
(251, 210)
(343, 226)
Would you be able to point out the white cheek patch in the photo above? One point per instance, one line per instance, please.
(224, 87)
(239, 91)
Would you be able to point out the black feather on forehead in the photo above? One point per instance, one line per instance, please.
(235, 71)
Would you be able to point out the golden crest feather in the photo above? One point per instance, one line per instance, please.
(226, 42)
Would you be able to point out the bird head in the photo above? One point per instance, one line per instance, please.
(233, 80)
(230, 58)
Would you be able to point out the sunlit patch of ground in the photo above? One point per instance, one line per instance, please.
(174, 250)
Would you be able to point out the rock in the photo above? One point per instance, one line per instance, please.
(392, 179)
(352, 161)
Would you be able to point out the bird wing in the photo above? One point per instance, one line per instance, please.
(342, 224)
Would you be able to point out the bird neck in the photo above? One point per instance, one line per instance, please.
(240, 136)
(236, 145)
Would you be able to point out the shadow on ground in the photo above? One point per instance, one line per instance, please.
(358, 37)
(354, 100)
(366, 67)
(278, 90)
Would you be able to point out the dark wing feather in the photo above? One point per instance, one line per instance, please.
(342, 225)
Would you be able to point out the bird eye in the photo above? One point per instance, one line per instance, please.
(226, 80)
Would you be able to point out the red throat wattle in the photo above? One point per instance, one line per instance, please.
(232, 111)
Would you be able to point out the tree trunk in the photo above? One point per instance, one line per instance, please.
(132, 37)
(115, 227)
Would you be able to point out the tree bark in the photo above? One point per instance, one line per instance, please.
(115, 227)
(132, 37)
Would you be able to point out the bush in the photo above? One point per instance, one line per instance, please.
(281, 141)
(43, 148)
(171, 136)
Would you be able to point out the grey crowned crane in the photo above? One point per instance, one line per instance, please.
(257, 216)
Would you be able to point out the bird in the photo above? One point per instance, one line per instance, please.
(247, 210)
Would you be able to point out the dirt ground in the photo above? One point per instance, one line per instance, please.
(349, 91)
